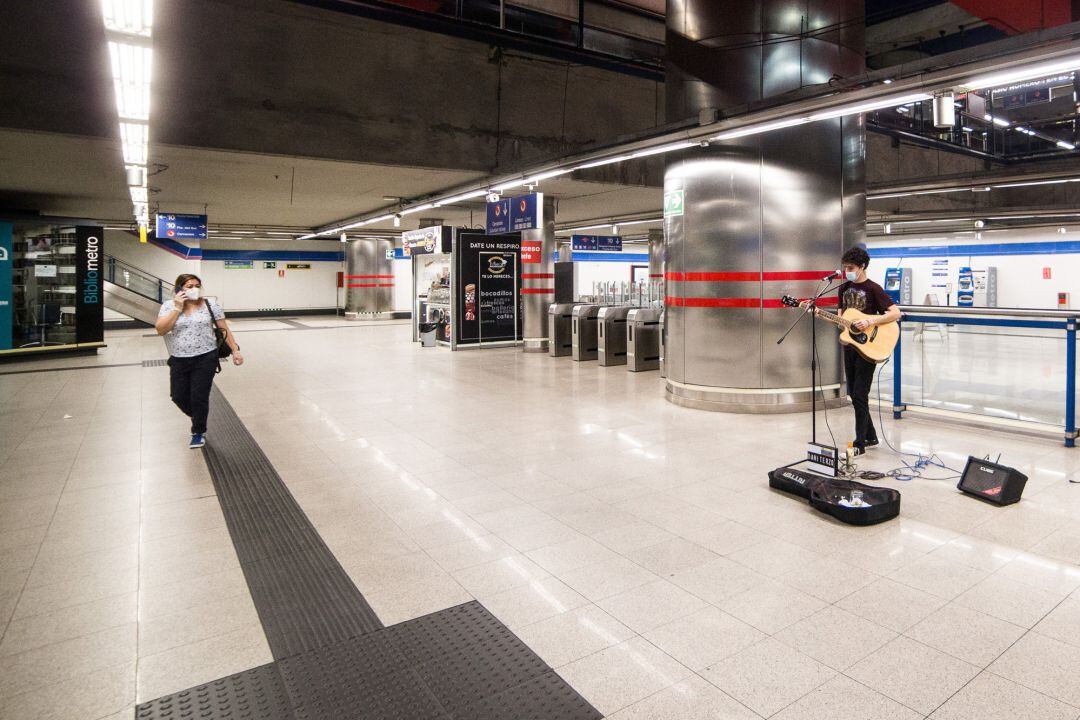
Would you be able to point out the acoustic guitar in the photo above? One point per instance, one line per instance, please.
(876, 343)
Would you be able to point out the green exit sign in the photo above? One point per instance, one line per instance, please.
(673, 203)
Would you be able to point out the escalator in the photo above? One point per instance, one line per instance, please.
(133, 292)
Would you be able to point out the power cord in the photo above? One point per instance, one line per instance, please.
(911, 470)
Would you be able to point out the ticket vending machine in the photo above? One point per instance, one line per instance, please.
(965, 288)
(898, 285)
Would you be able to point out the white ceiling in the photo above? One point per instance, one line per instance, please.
(73, 176)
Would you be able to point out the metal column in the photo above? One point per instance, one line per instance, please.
(538, 282)
(760, 216)
(369, 277)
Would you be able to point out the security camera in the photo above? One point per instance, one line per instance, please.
(494, 197)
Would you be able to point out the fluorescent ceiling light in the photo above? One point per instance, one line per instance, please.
(138, 194)
(1031, 72)
(996, 120)
(135, 139)
(417, 208)
(463, 197)
(756, 129)
(1065, 145)
(132, 17)
(131, 67)
(868, 106)
(508, 185)
(664, 149)
(605, 161)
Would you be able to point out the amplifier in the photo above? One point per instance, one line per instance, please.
(996, 483)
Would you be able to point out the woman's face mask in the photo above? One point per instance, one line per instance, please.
(192, 293)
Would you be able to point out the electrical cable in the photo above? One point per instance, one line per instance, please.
(910, 470)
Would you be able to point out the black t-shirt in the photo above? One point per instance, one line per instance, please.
(867, 297)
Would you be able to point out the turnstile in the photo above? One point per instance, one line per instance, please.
(560, 329)
(611, 329)
(643, 339)
(585, 340)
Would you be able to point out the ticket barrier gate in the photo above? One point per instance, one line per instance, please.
(643, 339)
(561, 329)
(585, 344)
(611, 326)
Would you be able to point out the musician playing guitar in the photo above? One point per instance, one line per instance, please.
(862, 294)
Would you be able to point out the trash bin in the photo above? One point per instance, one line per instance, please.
(427, 333)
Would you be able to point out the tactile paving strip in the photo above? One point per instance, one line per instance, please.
(256, 694)
(304, 597)
(456, 664)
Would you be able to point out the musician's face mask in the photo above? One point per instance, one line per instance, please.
(851, 275)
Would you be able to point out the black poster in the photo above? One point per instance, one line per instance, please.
(488, 282)
(89, 289)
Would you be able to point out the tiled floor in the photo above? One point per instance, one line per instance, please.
(634, 545)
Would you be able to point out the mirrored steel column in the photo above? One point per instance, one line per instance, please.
(760, 216)
(538, 280)
(369, 277)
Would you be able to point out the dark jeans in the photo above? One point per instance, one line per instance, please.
(860, 376)
(190, 379)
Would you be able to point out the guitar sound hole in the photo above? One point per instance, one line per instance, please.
(859, 338)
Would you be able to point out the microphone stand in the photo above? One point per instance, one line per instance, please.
(811, 310)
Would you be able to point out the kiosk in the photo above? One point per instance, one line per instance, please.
(898, 285)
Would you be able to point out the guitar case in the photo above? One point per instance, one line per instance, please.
(832, 496)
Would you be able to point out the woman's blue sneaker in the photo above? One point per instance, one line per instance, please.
(197, 441)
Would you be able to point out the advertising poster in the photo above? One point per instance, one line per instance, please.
(488, 280)
(421, 242)
(6, 257)
(89, 289)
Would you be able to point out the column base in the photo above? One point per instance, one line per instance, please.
(537, 345)
(751, 400)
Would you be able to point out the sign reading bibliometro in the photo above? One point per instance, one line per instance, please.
(175, 226)
(525, 212)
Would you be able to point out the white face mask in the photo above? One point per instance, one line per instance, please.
(192, 293)
(851, 276)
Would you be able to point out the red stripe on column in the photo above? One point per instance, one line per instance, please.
(537, 291)
(370, 285)
(768, 303)
(656, 275)
(751, 276)
(537, 276)
(369, 277)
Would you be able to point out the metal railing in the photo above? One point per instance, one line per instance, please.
(136, 280)
(955, 369)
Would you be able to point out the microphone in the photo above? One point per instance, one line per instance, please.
(832, 276)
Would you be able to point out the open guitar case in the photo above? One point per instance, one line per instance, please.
(832, 496)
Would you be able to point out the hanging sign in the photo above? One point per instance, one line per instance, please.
(526, 212)
(596, 243)
(180, 227)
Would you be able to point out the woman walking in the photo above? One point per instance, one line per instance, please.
(189, 321)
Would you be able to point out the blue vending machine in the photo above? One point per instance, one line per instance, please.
(898, 285)
(965, 288)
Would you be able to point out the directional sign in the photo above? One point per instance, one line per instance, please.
(180, 227)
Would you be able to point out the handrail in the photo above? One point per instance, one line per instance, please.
(993, 312)
(1066, 320)
(154, 287)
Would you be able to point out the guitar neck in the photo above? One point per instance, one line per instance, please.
(833, 318)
